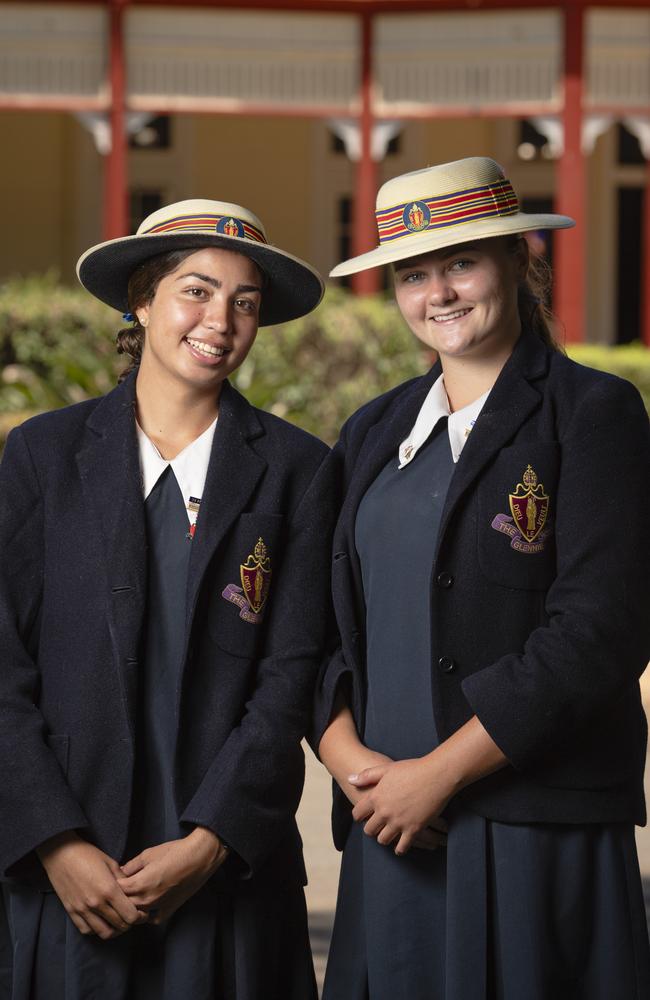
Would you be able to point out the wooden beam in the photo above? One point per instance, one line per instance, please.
(364, 226)
(115, 217)
(372, 6)
(645, 273)
(571, 246)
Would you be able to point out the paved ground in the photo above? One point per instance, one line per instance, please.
(323, 861)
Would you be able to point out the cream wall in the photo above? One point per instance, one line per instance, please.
(262, 163)
(285, 169)
(50, 177)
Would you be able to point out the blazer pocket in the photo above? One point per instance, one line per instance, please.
(243, 585)
(516, 507)
(59, 745)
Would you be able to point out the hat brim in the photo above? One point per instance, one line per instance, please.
(424, 242)
(292, 288)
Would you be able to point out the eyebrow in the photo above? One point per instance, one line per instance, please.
(216, 283)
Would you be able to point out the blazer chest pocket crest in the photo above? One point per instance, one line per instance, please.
(517, 496)
(244, 582)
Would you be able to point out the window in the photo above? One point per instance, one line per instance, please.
(156, 134)
(142, 204)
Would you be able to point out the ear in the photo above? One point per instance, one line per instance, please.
(142, 314)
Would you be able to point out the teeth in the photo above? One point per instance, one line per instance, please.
(206, 349)
(450, 316)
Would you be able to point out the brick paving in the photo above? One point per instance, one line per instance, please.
(323, 861)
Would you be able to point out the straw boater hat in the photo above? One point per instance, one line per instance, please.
(292, 287)
(429, 209)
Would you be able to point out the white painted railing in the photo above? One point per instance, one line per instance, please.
(618, 58)
(52, 50)
(255, 57)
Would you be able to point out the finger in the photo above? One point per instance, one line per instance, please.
(404, 843)
(374, 826)
(363, 809)
(430, 840)
(369, 776)
(99, 926)
(82, 925)
(134, 885)
(387, 836)
(125, 909)
(134, 865)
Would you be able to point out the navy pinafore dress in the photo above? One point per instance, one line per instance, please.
(545, 912)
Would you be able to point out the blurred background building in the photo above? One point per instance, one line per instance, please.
(300, 109)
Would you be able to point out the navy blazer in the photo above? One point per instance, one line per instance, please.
(72, 603)
(543, 640)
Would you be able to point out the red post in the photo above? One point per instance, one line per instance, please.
(364, 226)
(115, 221)
(645, 275)
(570, 253)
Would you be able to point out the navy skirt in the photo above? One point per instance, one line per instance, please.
(506, 912)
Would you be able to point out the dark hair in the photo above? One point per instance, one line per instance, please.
(143, 284)
(533, 296)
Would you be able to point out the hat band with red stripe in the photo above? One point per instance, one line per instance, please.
(224, 225)
(423, 215)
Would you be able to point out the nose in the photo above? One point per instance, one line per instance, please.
(216, 315)
(439, 291)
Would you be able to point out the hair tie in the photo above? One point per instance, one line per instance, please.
(128, 317)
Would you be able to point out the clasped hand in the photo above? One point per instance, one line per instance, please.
(102, 898)
(402, 803)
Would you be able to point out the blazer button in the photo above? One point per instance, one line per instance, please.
(444, 580)
(446, 664)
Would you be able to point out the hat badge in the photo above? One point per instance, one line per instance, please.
(229, 226)
(416, 216)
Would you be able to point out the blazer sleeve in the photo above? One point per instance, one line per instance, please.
(252, 789)
(597, 640)
(33, 790)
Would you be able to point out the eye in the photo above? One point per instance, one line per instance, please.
(461, 264)
(195, 292)
(247, 305)
(411, 277)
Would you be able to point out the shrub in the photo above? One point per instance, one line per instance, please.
(57, 346)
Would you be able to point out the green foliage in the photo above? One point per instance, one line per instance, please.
(318, 370)
(629, 361)
(57, 346)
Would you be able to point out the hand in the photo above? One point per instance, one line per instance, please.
(368, 760)
(402, 802)
(162, 878)
(85, 880)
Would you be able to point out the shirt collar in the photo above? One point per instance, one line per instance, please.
(434, 407)
(190, 466)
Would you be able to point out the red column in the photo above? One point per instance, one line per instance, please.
(115, 221)
(364, 226)
(645, 274)
(571, 245)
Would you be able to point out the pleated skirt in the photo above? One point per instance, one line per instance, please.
(506, 912)
(240, 946)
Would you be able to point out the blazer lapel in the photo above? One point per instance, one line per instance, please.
(382, 440)
(110, 475)
(511, 401)
(233, 473)
(385, 437)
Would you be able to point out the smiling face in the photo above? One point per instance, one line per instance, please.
(462, 300)
(203, 318)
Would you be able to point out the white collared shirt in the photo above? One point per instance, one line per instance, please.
(435, 406)
(190, 467)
